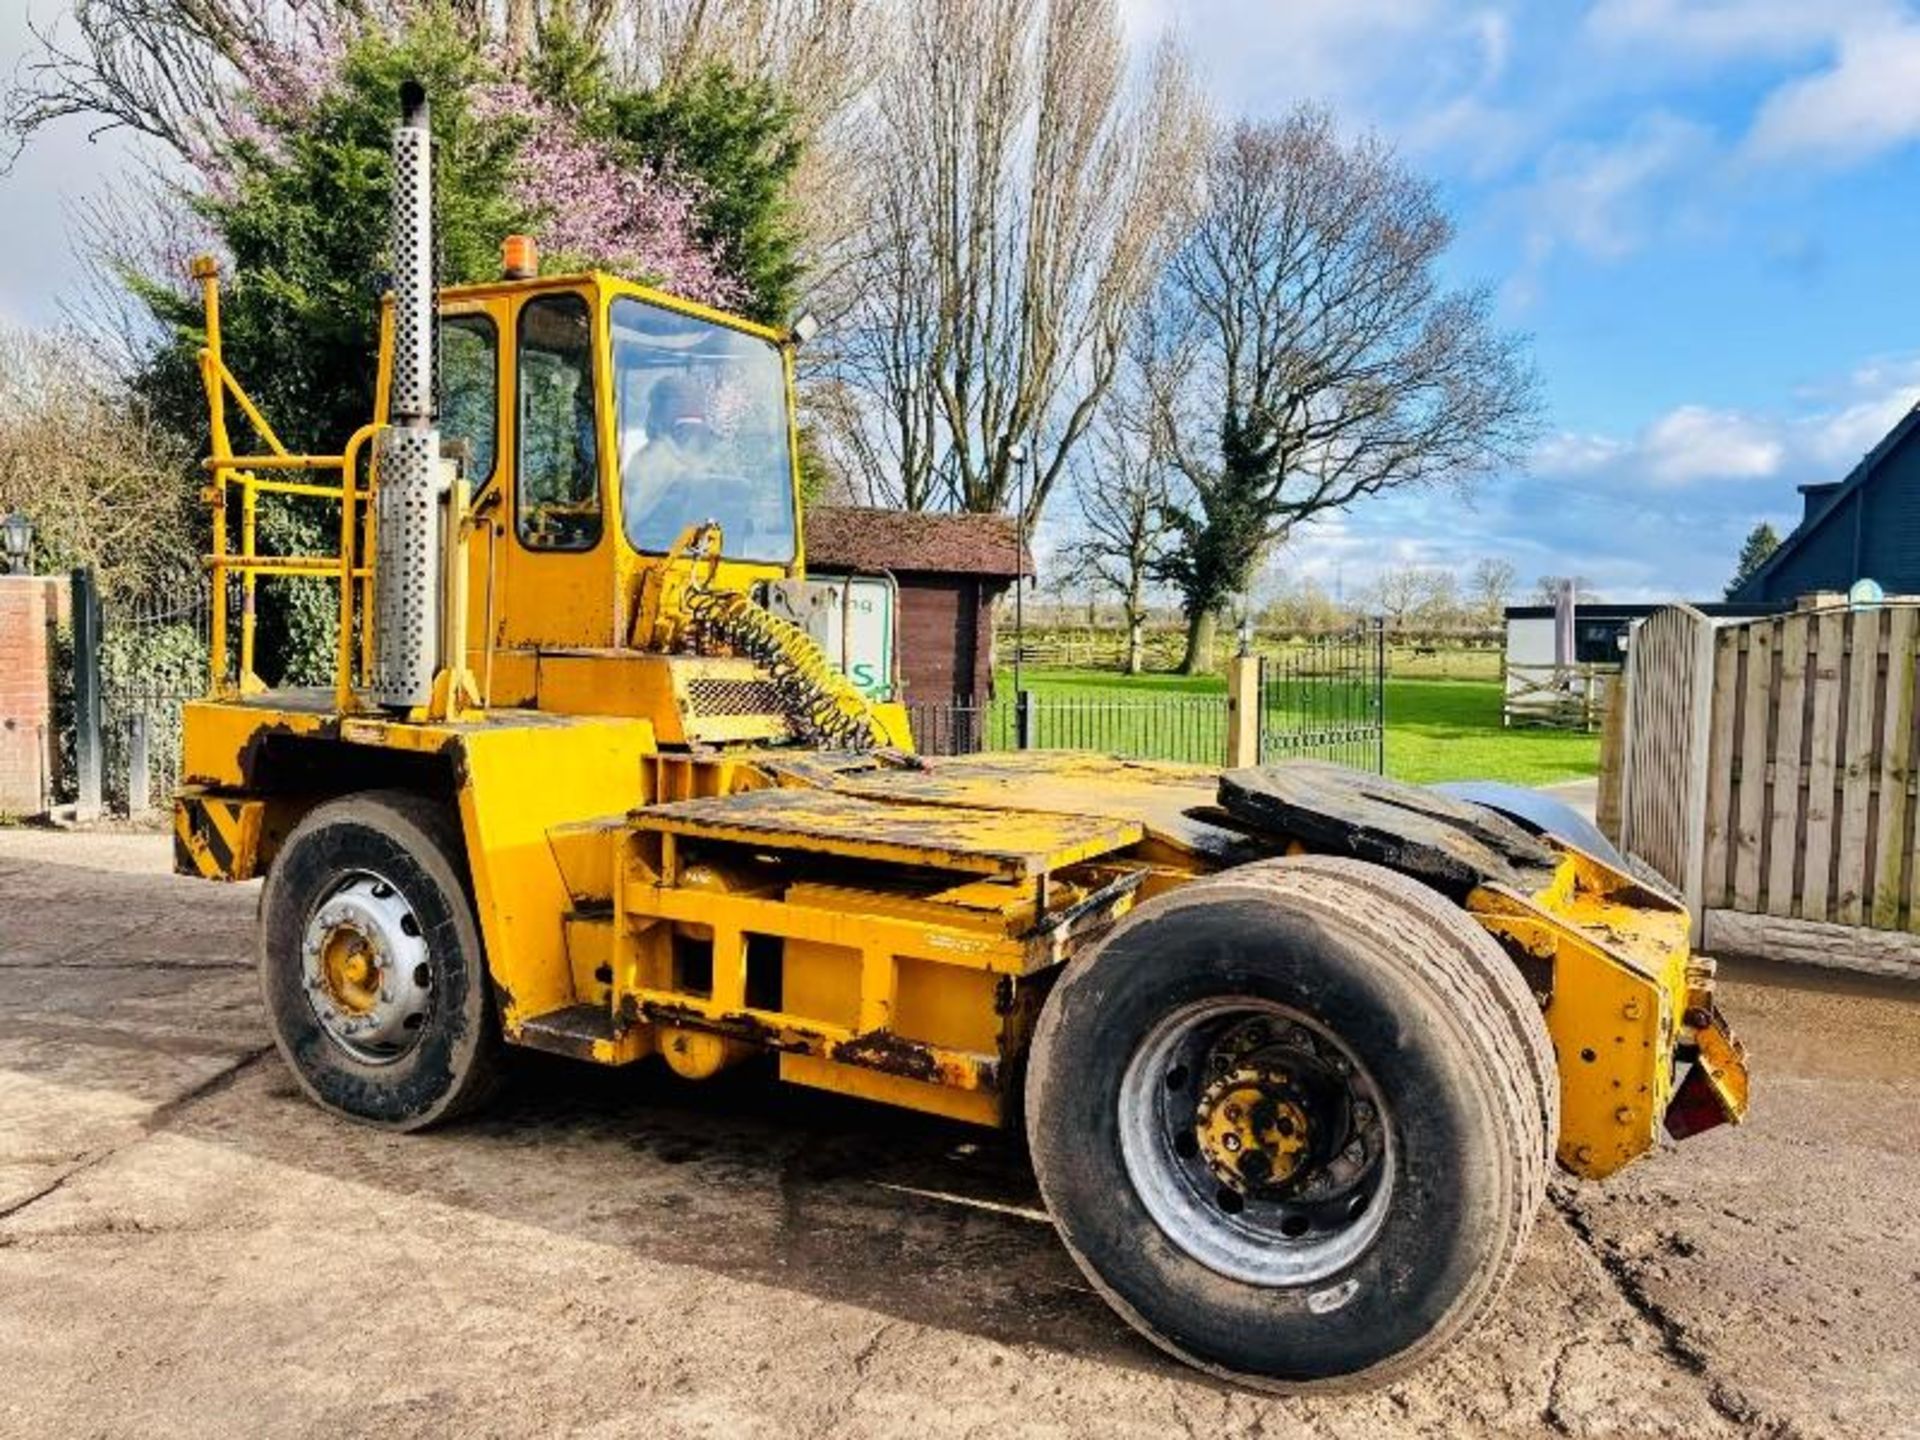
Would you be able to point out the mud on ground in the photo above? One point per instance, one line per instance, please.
(188, 1247)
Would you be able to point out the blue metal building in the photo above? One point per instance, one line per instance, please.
(1866, 526)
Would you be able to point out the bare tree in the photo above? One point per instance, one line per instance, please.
(821, 53)
(1022, 199)
(1422, 596)
(824, 57)
(1438, 609)
(1123, 499)
(1309, 354)
(1491, 585)
(1396, 593)
(1546, 589)
(167, 69)
(101, 483)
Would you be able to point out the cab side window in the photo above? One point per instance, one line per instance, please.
(557, 471)
(470, 394)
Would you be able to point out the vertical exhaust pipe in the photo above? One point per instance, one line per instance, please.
(409, 555)
(413, 398)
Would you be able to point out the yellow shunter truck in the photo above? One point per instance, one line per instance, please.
(1293, 1047)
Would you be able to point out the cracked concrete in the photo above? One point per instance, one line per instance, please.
(187, 1246)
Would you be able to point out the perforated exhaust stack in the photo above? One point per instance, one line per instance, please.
(412, 478)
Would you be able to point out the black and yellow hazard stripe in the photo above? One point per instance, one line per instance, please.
(215, 837)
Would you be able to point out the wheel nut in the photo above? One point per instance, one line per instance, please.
(1232, 1143)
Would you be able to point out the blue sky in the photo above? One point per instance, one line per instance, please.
(1704, 213)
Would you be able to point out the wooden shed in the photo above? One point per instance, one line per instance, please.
(951, 570)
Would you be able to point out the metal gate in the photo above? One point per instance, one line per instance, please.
(1326, 700)
(153, 659)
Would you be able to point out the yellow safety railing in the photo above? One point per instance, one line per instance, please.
(254, 475)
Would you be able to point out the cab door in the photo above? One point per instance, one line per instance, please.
(555, 562)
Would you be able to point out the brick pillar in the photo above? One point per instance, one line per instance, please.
(29, 607)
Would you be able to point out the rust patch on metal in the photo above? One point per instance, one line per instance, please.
(883, 1050)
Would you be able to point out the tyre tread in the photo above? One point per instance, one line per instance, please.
(1499, 1026)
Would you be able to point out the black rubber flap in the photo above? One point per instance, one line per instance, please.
(1451, 844)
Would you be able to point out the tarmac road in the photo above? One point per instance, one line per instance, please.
(188, 1247)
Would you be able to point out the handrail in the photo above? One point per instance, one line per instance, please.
(257, 474)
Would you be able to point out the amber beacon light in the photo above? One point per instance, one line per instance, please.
(519, 260)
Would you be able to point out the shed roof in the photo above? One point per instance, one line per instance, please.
(1603, 610)
(852, 539)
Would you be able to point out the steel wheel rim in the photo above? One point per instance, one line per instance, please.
(1165, 1091)
(365, 966)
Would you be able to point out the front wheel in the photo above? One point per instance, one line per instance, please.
(1294, 1121)
(371, 965)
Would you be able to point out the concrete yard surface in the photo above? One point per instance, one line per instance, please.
(188, 1247)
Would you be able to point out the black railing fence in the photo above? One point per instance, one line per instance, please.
(1327, 701)
(1183, 727)
(1324, 700)
(153, 659)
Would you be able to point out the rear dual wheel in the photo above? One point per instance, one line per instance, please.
(1294, 1121)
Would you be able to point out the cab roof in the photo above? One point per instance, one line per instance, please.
(610, 284)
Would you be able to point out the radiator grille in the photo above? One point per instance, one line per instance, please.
(732, 697)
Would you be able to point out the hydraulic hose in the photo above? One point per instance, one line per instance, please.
(824, 706)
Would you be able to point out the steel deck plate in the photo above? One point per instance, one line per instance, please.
(1017, 844)
(1160, 795)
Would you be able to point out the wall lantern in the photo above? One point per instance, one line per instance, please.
(16, 538)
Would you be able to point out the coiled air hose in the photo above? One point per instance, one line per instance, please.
(823, 706)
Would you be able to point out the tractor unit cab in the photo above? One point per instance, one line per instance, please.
(1294, 1046)
(584, 499)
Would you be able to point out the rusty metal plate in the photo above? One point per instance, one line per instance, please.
(1451, 844)
(1017, 844)
(1159, 795)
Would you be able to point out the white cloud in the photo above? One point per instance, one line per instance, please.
(1602, 198)
(1569, 454)
(1863, 97)
(1695, 443)
(1821, 438)
(1866, 101)
(1851, 418)
(1723, 30)
(1420, 71)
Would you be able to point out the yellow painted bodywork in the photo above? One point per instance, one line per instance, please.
(657, 869)
(1617, 1000)
(916, 916)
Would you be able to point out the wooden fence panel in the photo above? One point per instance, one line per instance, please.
(1728, 696)
(1755, 766)
(1770, 766)
(1859, 765)
(1785, 811)
(1893, 839)
(1824, 738)
(1663, 796)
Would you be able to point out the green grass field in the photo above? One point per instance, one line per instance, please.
(1436, 729)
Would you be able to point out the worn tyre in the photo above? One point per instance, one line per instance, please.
(1294, 1121)
(371, 964)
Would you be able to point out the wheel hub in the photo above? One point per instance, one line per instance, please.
(364, 959)
(1253, 1128)
(349, 970)
(1256, 1141)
